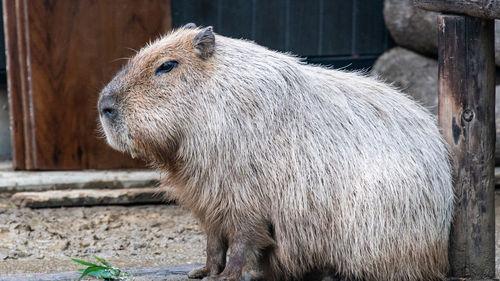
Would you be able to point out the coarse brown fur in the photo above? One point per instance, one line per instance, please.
(291, 167)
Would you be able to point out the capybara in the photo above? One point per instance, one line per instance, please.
(288, 167)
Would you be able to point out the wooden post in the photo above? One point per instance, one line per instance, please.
(467, 117)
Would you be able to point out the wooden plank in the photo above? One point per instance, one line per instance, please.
(467, 117)
(14, 84)
(370, 30)
(200, 12)
(269, 22)
(303, 33)
(3, 62)
(19, 181)
(337, 28)
(88, 197)
(236, 18)
(74, 48)
(489, 9)
(22, 38)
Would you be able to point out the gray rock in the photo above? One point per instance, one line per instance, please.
(416, 29)
(3, 254)
(415, 74)
(411, 27)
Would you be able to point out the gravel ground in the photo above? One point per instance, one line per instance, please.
(44, 240)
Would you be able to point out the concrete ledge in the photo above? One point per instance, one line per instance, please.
(18, 181)
(173, 273)
(88, 197)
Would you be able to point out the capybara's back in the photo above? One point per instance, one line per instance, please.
(292, 167)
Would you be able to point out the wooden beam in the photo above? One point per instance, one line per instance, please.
(22, 52)
(467, 117)
(14, 84)
(489, 9)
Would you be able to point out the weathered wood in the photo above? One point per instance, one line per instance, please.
(467, 117)
(88, 197)
(26, 94)
(71, 56)
(69, 50)
(14, 84)
(489, 9)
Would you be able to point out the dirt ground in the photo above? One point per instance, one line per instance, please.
(44, 240)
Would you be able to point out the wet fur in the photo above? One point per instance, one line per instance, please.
(312, 167)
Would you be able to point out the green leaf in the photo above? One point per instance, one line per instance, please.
(103, 261)
(93, 274)
(105, 271)
(89, 270)
(84, 262)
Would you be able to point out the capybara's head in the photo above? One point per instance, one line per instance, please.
(143, 107)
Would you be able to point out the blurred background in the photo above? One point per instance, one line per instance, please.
(56, 55)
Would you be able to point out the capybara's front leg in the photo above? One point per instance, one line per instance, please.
(216, 258)
(243, 263)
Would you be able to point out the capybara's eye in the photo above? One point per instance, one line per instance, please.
(166, 67)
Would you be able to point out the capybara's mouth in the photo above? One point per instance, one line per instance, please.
(112, 133)
(119, 138)
(108, 133)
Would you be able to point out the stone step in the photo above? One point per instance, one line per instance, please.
(88, 197)
(19, 181)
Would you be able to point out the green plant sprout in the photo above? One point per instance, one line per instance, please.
(105, 271)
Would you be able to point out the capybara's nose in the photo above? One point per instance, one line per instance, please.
(107, 106)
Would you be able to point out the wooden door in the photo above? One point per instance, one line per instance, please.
(59, 55)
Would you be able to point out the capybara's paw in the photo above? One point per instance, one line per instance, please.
(243, 277)
(199, 273)
(219, 278)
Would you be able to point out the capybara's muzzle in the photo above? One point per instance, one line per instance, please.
(107, 106)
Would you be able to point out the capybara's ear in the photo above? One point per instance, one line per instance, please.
(204, 42)
(190, 25)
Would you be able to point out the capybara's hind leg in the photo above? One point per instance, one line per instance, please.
(216, 258)
(243, 262)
